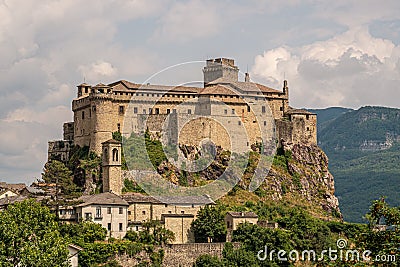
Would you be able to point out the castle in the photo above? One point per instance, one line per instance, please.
(222, 111)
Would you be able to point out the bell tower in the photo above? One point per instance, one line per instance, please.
(111, 163)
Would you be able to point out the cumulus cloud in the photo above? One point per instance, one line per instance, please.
(350, 69)
(190, 20)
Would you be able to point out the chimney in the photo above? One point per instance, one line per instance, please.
(247, 77)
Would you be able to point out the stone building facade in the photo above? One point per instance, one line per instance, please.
(227, 107)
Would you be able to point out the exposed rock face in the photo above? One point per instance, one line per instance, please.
(306, 174)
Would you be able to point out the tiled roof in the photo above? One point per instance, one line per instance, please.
(245, 214)
(112, 141)
(13, 187)
(174, 200)
(11, 200)
(299, 111)
(107, 198)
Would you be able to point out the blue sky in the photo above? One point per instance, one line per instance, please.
(333, 53)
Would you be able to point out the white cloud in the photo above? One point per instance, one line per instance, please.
(98, 71)
(350, 69)
(189, 20)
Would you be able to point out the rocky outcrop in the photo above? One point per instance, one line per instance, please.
(305, 173)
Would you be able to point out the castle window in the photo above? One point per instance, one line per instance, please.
(121, 210)
(120, 227)
(135, 110)
(182, 211)
(174, 111)
(83, 115)
(233, 111)
(166, 205)
(119, 127)
(94, 108)
(86, 90)
(108, 210)
(168, 111)
(121, 109)
(263, 109)
(192, 205)
(157, 111)
(90, 113)
(115, 154)
(144, 111)
(144, 212)
(109, 226)
(307, 117)
(308, 128)
(225, 111)
(239, 123)
(189, 111)
(248, 108)
(265, 123)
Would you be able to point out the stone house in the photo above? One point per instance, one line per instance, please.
(107, 209)
(233, 219)
(176, 216)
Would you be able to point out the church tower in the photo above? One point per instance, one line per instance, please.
(111, 163)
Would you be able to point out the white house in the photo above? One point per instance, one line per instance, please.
(107, 209)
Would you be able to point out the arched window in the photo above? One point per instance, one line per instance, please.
(115, 154)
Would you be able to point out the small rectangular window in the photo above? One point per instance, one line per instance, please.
(157, 111)
(121, 210)
(83, 115)
(120, 227)
(135, 110)
(263, 109)
(108, 210)
(189, 111)
(144, 212)
(168, 111)
(119, 127)
(239, 123)
(265, 123)
(225, 111)
(150, 111)
(233, 111)
(144, 111)
(248, 108)
(121, 109)
(109, 226)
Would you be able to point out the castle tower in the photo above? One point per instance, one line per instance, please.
(111, 162)
(220, 68)
(84, 89)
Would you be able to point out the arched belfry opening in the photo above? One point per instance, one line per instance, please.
(115, 154)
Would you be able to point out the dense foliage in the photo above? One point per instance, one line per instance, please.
(55, 172)
(361, 176)
(210, 225)
(29, 236)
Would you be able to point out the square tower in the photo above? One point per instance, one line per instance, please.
(111, 163)
(220, 68)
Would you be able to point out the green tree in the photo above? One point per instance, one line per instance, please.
(84, 232)
(154, 233)
(29, 236)
(56, 172)
(209, 225)
(208, 261)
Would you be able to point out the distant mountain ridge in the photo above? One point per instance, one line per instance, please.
(363, 147)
